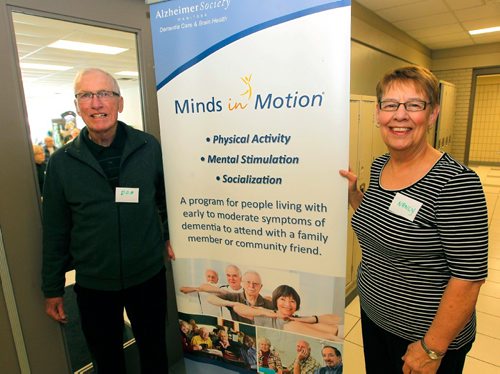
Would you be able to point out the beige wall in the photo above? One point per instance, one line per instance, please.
(478, 56)
(377, 46)
(371, 30)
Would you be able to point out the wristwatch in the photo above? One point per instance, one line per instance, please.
(432, 354)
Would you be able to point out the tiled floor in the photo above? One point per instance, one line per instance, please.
(484, 358)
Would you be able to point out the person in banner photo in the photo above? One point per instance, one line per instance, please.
(285, 302)
(233, 276)
(248, 352)
(252, 284)
(423, 228)
(303, 363)
(211, 286)
(211, 282)
(268, 358)
(201, 341)
(333, 361)
(104, 213)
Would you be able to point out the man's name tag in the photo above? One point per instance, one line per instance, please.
(126, 195)
(405, 206)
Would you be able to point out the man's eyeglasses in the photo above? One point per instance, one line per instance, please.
(101, 95)
(410, 106)
(253, 284)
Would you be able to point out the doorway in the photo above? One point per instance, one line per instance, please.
(51, 52)
(31, 342)
(483, 135)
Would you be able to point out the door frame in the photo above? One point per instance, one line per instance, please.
(475, 73)
(32, 342)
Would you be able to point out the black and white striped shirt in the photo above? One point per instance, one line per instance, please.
(406, 265)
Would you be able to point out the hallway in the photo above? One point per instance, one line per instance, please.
(483, 357)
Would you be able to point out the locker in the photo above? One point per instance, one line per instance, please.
(365, 145)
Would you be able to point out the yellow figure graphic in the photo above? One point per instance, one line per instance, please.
(247, 80)
(238, 105)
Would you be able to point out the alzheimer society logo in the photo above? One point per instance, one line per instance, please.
(246, 100)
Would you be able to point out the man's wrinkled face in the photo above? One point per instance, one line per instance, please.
(99, 114)
(303, 347)
(204, 333)
(330, 358)
(49, 142)
(233, 277)
(211, 276)
(252, 284)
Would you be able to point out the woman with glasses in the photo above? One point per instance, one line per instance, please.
(423, 228)
(286, 302)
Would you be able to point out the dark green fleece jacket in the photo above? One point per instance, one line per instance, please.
(111, 245)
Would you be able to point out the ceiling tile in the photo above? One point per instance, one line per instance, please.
(461, 4)
(421, 18)
(425, 22)
(481, 24)
(384, 4)
(449, 44)
(485, 38)
(486, 11)
(455, 37)
(438, 30)
(415, 10)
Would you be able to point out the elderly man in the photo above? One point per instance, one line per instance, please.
(202, 340)
(211, 276)
(233, 278)
(49, 146)
(333, 361)
(304, 363)
(250, 296)
(203, 306)
(211, 280)
(104, 213)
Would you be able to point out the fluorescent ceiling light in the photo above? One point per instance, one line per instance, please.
(87, 47)
(26, 65)
(484, 31)
(128, 73)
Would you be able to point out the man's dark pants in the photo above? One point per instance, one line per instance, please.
(101, 315)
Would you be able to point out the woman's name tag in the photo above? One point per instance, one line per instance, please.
(127, 195)
(405, 206)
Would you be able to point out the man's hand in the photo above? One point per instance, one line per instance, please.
(170, 251)
(416, 361)
(54, 307)
(302, 354)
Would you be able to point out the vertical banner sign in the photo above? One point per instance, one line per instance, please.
(254, 99)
